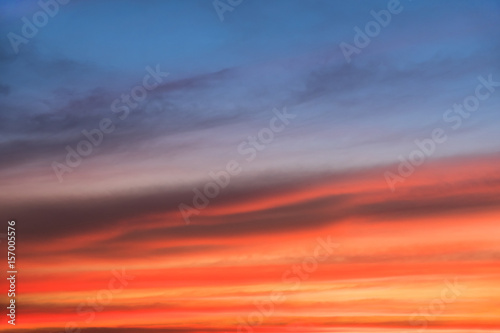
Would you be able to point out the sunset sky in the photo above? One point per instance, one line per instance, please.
(260, 166)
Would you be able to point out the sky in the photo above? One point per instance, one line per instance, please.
(251, 166)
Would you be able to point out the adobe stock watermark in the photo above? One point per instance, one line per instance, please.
(437, 306)
(249, 149)
(29, 29)
(372, 29)
(454, 117)
(292, 278)
(222, 6)
(103, 297)
(120, 106)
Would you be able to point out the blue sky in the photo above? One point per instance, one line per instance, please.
(226, 77)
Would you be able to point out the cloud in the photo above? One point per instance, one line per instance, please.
(275, 205)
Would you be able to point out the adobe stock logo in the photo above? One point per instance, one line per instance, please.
(29, 30)
(454, 117)
(437, 306)
(221, 7)
(97, 303)
(292, 278)
(372, 29)
(249, 149)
